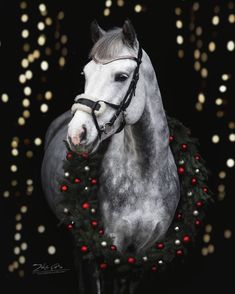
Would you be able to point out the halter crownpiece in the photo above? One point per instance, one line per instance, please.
(97, 107)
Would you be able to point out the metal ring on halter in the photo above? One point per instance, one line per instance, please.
(106, 128)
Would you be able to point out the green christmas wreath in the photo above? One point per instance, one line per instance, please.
(81, 208)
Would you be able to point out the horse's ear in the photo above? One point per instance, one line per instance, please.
(128, 32)
(96, 31)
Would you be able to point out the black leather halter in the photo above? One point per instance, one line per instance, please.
(94, 105)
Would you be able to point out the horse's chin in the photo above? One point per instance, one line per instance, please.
(92, 147)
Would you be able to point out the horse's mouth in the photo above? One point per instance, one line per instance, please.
(91, 148)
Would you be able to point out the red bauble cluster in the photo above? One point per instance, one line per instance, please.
(184, 147)
(103, 265)
(181, 170)
(160, 245)
(63, 188)
(113, 247)
(193, 181)
(84, 248)
(70, 226)
(77, 181)
(84, 155)
(154, 268)
(186, 239)
(205, 189)
(69, 155)
(179, 252)
(94, 181)
(85, 205)
(131, 260)
(179, 216)
(199, 203)
(197, 222)
(94, 223)
(197, 157)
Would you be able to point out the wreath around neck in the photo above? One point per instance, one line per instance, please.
(80, 208)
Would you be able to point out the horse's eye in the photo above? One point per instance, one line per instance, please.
(120, 77)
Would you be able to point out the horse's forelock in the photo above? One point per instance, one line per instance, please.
(110, 45)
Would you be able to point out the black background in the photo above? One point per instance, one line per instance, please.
(179, 84)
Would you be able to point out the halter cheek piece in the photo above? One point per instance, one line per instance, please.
(84, 103)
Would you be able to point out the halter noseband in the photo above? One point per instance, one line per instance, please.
(97, 107)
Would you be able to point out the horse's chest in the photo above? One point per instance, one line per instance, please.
(123, 182)
(128, 201)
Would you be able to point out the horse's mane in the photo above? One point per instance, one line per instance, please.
(109, 45)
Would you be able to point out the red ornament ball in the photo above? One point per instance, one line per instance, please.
(113, 247)
(197, 157)
(70, 226)
(197, 222)
(186, 239)
(193, 181)
(181, 170)
(103, 266)
(93, 181)
(154, 268)
(205, 189)
(94, 223)
(63, 188)
(69, 155)
(160, 245)
(179, 252)
(184, 147)
(179, 216)
(199, 203)
(85, 205)
(77, 181)
(84, 155)
(171, 139)
(84, 249)
(131, 260)
(101, 232)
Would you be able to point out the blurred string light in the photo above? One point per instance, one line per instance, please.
(51, 250)
(107, 9)
(208, 247)
(138, 8)
(108, 4)
(34, 68)
(179, 25)
(20, 246)
(205, 47)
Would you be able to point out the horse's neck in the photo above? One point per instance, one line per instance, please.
(140, 192)
(146, 141)
(149, 135)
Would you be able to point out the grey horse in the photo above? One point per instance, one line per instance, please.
(140, 187)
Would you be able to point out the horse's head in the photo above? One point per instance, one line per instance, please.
(114, 88)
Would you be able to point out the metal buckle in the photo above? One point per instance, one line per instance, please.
(106, 128)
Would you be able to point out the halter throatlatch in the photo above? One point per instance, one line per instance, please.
(96, 107)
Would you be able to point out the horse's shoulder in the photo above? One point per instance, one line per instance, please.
(55, 126)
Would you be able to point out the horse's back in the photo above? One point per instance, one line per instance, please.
(52, 165)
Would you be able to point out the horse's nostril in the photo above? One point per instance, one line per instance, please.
(83, 134)
(78, 137)
(70, 140)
